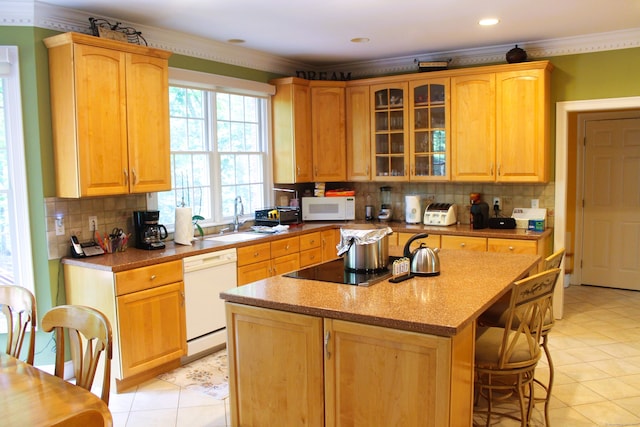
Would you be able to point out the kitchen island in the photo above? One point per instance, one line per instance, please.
(305, 352)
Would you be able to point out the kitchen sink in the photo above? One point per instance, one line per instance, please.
(234, 237)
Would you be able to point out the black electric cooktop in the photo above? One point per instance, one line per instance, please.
(334, 272)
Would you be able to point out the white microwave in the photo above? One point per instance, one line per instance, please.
(328, 208)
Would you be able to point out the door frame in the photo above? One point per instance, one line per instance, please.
(563, 111)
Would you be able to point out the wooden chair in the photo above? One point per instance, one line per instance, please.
(19, 307)
(506, 357)
(89, 336)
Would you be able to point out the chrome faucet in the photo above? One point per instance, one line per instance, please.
(236, 214)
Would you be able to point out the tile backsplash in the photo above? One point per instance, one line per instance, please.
(512, 195)
(111, 212)
(117, 211)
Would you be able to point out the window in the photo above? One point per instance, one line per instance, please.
(16, 265)
(219, 149)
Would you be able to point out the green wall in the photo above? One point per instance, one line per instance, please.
(575, 77)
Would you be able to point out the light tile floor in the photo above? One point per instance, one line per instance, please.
(595, 350)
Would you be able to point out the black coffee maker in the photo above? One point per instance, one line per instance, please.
(479, 212)
(149, 234)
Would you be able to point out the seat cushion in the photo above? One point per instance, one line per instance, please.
(489, 348)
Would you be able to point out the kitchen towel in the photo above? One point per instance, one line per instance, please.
(183, 235)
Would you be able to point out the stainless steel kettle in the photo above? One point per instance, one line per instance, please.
(424, 260)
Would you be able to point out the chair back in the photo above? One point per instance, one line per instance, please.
(554, 260)
(530, 300)
(89, 336)
(19, 307)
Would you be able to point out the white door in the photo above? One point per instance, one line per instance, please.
(611, 213)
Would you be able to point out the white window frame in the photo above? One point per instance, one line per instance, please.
(214, 82)
(21, 233)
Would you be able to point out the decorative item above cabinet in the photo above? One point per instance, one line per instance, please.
(110, 116)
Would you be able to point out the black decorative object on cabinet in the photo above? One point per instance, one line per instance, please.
(516, 55)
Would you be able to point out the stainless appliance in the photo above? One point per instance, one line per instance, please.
(364, 249)
(334, 272)
(424, 260)
(149, 234)
(278, 215)
(412, 209)
(386, 208)
(329, 208)
(205, 276)
(440, 214)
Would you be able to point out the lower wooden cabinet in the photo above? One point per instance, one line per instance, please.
(145, 307)
(330, 239)
(464, 242)
(263, 260)
(287, 367)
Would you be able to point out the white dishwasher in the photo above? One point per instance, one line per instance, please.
(205, 276)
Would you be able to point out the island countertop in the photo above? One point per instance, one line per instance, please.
(470, 281)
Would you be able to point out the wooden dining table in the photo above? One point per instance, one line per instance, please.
(32, 397)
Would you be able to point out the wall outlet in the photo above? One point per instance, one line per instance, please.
(497, 201)
(535, 203)
(60, 226)
(93, 223)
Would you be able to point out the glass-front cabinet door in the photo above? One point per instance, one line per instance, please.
(389, 129)
(429, 147)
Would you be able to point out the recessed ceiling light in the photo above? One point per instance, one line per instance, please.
(360, 40)
(488, 21)
(235, 41)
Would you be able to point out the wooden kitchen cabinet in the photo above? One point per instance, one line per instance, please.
(310, 249)
(328, 131)
(429, 119)
(473, 128)
(291, 109)
(309, 131)
(389, 124)
(110, 116)
(358, 133)
(262, 260)
(297, 385)
(523, 125)
(500, 124)
(330, 239)
(464, 242)
(376, 375)
(145, 307)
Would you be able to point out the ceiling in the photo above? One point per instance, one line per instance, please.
(318, 32)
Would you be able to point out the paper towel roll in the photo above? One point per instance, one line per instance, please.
(183, 234)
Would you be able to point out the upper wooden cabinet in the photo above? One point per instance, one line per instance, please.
(500, 124)
(292, 149)
(358, 135)
(110, 116)
(429, 145)
(328, 131)
(389, 131)
(308, 131)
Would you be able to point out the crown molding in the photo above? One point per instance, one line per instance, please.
(33, 13)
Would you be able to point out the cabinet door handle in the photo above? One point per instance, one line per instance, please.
(462, 244)
(134, 177)
(327, 335)
(511, 248)
(153, 277)
(499, 167)
(366, 171)
(126, 176)
(491, 170)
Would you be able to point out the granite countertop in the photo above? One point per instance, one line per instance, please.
(443, 305)
(135, 258)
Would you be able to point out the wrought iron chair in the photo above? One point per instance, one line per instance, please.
(496, 316)
(19, 307)
(506, 357)
(89, 336)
